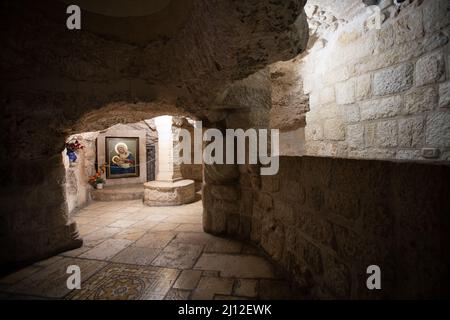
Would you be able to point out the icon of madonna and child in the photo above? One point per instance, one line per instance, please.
(122, 157)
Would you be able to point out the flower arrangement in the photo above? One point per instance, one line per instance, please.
(97, 179)
(72, 146)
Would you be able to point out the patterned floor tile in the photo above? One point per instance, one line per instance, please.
(126, 282)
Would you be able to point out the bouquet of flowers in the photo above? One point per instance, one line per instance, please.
(74, 145)
(97, 177)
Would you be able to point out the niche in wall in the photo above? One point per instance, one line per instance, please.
(124, 153)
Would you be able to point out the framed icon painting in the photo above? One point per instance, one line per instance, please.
(122, 156)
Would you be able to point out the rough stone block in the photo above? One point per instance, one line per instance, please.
(393, 80)
(430, 153)
(363, 87)
(385, 38)
(272, 238)
(411, 132)
(373, 153)
(345, 92)
(436, 15)
(408, 26)
(438, 130)
(420, 100)
(430, 69)
(351, 113)
(327, 95)
(381, 108)
(444, 95)
(355, 136)
(314, 132)
(334, 129)
(409, 154)
(386, 134)
(401, 53)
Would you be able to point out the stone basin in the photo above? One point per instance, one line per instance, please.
(167, 193)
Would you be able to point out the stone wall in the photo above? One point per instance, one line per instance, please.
(191, 170)
(381, 94)
(77, 187)
(326, 220)
(57, 82)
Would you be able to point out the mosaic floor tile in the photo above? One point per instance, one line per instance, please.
(126, 282)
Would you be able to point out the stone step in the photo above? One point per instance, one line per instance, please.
(119, 192)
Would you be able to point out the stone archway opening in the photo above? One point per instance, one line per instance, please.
(95, 170)
(364, 136)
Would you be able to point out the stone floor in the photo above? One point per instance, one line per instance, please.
(132, 251)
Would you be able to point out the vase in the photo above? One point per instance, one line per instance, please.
(99, 186)
(72, 156)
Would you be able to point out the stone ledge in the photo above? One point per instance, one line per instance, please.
(119, 193)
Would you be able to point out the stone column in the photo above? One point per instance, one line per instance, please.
(35, 222)
(169, 188)
(168, 168)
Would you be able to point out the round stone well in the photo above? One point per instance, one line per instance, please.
(169, 193)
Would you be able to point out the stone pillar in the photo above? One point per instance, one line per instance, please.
(35, 222)
(168, 168)
(169, 188)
